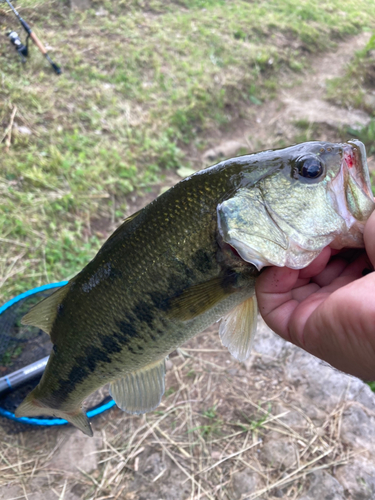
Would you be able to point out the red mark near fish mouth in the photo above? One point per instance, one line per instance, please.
(349, 157)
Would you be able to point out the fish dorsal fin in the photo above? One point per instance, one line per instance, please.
(238, 327)
(246, 224)
(44, 314)
(120, 229)
(140, 391)
(197, 299)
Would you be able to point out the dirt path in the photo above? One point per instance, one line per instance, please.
(282, 426)
(301, 99)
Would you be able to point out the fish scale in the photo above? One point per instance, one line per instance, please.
(188, 259)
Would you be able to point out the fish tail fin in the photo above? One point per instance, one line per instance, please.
(31, 406)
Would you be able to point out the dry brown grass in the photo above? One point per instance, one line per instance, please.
(213, 425)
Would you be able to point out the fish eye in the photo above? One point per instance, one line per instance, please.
(309, 167)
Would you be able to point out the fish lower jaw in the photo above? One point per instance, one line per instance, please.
(295, 255)
(352, 239)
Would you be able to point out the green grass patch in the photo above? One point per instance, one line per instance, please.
(141, 81)
(365, 134)
(355, 88)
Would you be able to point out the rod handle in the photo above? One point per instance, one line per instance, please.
(38, 43)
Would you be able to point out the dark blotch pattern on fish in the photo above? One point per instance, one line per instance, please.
(101, 274)
(203, 261)
(127, 330)
(83, 365)
(143, 312)
(77, 374)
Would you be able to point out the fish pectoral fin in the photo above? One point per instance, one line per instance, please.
(197, 299)
(238, 327)
(140, 391)
(44, 314)
(32, 407)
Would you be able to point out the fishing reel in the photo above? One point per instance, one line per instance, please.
(22, 49)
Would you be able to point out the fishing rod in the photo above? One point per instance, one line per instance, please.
(23, 49)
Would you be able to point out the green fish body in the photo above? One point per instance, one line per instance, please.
(188, 259)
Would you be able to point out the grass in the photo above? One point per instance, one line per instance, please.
(366, 134)
(354, 89)
(144, 83)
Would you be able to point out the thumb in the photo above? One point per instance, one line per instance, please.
(369, 237)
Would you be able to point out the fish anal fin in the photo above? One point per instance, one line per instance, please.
(32, 407)
(44, 313)
(238, 327)
(197, 300)
(141, 391)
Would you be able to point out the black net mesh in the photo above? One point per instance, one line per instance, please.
(21, 345)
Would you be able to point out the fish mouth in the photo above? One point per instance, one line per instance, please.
(353, 194)
(355, 156)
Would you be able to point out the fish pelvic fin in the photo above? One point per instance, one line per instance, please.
(238, 328)
(140, 391)
(44, 313)
(32, 407)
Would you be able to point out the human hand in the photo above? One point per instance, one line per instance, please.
(328, 308)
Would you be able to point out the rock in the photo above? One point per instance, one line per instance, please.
(170, 484)
(323, 486)
(278, 453)
(358, 478)
(292, 418)
(358, 428)
(11, 491)
(152, 466)
(76, 451)
(321, 386)
(225, 150)
(245, 482)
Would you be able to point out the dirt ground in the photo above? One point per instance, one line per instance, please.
(282, 425)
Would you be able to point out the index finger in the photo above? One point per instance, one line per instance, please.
(274, 289)
(275, 301)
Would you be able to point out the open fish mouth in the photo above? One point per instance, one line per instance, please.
(356, 157)
(353, 194)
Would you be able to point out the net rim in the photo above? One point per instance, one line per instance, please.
(43, 421)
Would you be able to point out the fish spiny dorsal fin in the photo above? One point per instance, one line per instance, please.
(238, 327)
(197, 299)
(121, 228)
(140, 391)
(44, 314)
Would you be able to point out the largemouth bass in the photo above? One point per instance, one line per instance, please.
(188, 259)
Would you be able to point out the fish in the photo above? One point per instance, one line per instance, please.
(187, 260)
